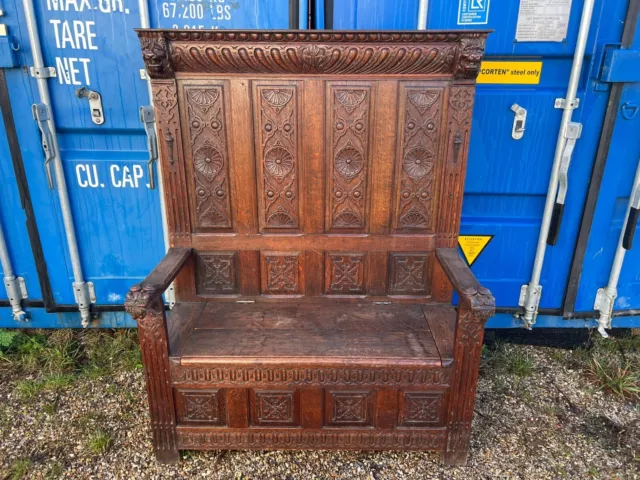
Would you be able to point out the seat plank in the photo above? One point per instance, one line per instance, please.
(350, 317)
(312, 333)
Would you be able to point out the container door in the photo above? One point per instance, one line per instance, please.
(507, 178)
(14, 226)
(613, 197)
(103, 144)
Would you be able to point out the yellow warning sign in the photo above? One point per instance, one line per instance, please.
(473, 245)
(523, 73)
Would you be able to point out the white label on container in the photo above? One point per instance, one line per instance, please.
(543, 20)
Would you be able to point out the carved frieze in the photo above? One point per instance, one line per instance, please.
(296, 439)
(210, 158)
(421, 117)
(454, 53)
(276, 111)
(281, 376)
(349, 112)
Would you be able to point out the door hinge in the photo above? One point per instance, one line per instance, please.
(620, 65)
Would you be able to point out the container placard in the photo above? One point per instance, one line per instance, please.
(543, 20)
(473, 12)
(516, 73)
(473, 245)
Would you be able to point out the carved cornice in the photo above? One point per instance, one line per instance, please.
(456, 54)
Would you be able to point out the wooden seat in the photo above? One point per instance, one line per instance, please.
(303, 334)
(313, 187)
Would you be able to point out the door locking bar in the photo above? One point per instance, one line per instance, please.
(571, 134)
(606, 296)
(95, 104)
(41, 115)
(148, 118)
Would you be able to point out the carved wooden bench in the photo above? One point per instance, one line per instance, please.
(313, 186)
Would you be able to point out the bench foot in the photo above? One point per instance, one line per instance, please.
(168, 456)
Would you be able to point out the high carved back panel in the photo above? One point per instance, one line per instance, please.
(313, 164)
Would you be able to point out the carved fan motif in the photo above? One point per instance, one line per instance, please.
(418, 162)
(423, 99)
(414, 218)
(280, 218)
(349, 162)
(203, 98)
(347, 219)
(277, 98)
(350, 99)
(208, 161)
(278, 161)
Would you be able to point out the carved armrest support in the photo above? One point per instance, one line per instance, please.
(473, 296)
(146, 295)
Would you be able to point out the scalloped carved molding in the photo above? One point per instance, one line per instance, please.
(431, 53)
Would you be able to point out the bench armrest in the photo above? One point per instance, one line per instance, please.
(143, 294)
(473, 296)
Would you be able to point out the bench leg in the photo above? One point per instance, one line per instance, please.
(467, 353)
(147, 309)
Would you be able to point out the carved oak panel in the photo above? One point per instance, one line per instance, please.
(349, 408)
(201, 406)
(277, 157)
(345, 273)
(216, 273)
(421, 409)
(418, 157)
(207, 127)
(281, 273)
(409, 273)
(275, 408)
(348, 109)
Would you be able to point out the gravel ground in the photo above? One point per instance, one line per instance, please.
(542, 419)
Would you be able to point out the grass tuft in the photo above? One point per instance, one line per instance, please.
(622, 380)
(508, 359)
(20, 469)
(100, 441)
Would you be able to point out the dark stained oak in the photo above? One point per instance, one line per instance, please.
(313, 182)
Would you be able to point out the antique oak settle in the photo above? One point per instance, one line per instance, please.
(313, 186)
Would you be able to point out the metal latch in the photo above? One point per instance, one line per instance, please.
(45, 72)
(41, 115)
(95, 104)
(571, 134)
(148, 118)
(519, 121)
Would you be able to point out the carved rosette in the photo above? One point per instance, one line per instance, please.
(210, 157)
(421, 119)
(349, 108)
(276, 109)
(216, 273)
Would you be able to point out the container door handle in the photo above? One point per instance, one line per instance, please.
(148, 118)
(572, 134)
(41, 115)
(632, 219)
